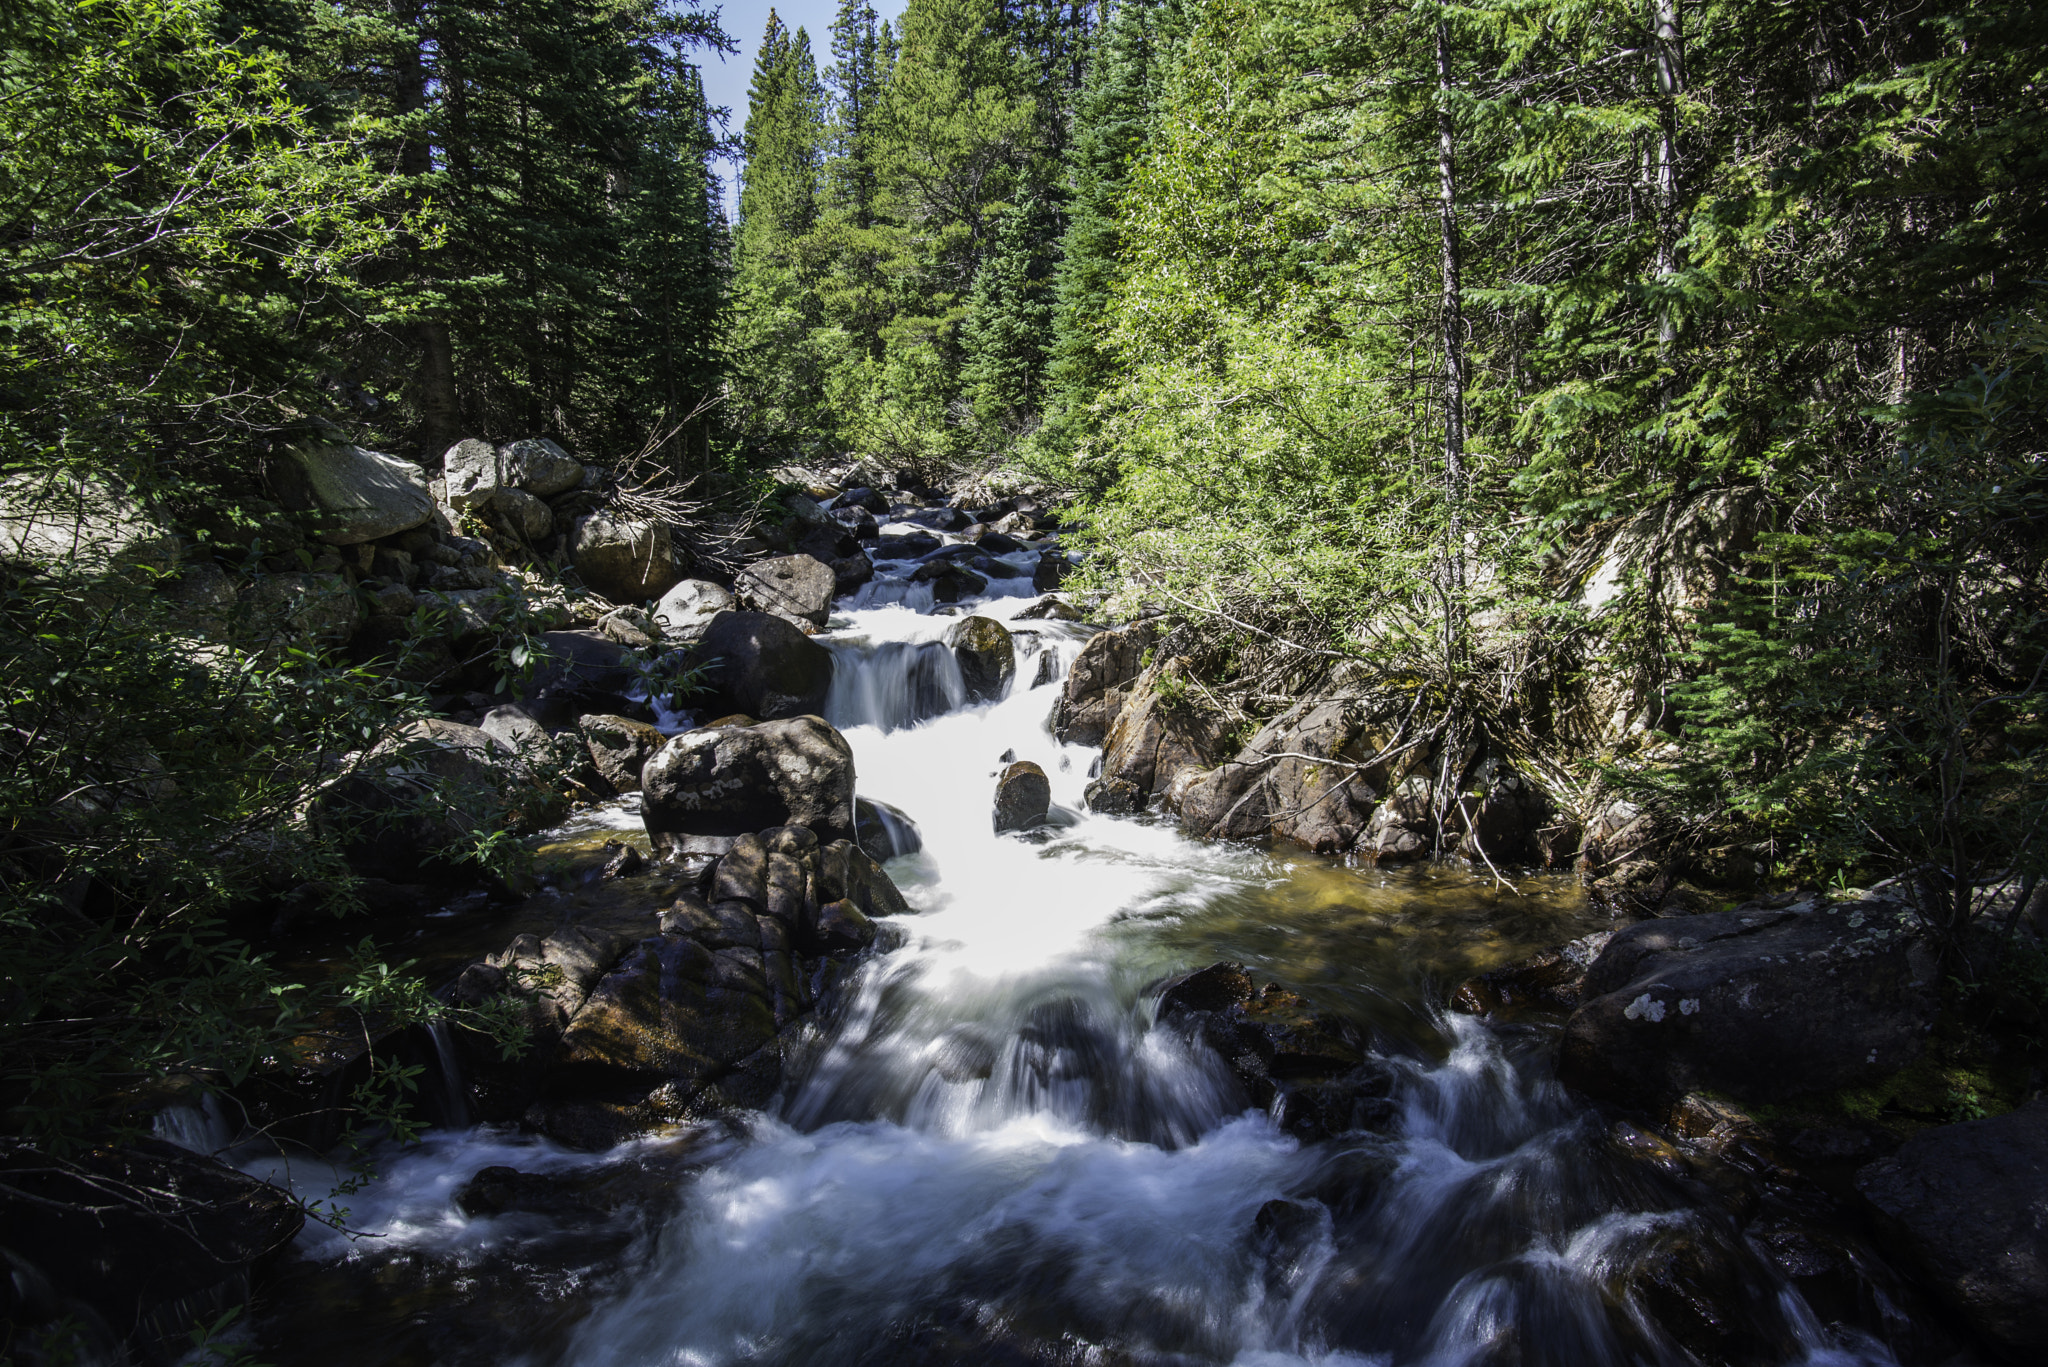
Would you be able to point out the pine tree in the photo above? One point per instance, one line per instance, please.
(1112, 114)
(1009, 321)
(857, 78)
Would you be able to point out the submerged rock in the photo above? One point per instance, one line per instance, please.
(1023, 797)
(1970, 1203)
(1758, 1004)
(1556, 978)
(885, 831)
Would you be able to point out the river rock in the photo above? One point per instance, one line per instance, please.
(905, 545)
(839, 928)
(320, 607)
(1759, 1005)
(1052, 569)
(539, 466)
(1023, 797)
(687, 609)
(1970, 1203)
(627, 561)
(146, 1237)
(730, 781)
(619, 747)
(862, 497)
(1554, 979)
(523, 515)
(760, 665)
(86, 524)
(1048, 609)
(579, 672)
(1307, 1066)
(850, 573)
(1114, 797)
(518, 730)
(1152, 740)
(987, 657)
(885, 831)
(950, 583)
(1097, 682)
(408, 809)
(798, 587)
(353, 495)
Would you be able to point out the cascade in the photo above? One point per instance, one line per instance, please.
(995, 1144)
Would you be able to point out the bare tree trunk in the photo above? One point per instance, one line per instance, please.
(440, 413)
(1668, 52)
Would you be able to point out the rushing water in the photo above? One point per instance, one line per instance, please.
(994, 1156)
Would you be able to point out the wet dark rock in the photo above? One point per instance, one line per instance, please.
(1048, 669)
(905, 545)
(1052, 570)
(1097, 682)
(863, 497)
(1023, 796)
(146, 1238)
(625, 861)
(884, 831)
(1114, 797)
(850, 573)
(1970, 1204)
(938, 519)
(1048, 609)
(987, 657)
(742, 875)
(1759, 1006)
(1308, 1067)
(619, 748)
(759, 665)
(733, 781)
(1554, 979)
(581, 672)
(950, 582)
(839, 928)
(798, 587)
(843, 870)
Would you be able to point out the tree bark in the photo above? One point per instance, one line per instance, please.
(1668, 53)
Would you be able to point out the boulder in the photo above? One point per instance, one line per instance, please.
(353, 495)
(1052, 570)
(729, 781)
(687, 609)
(526, 517)
(518, 730)
(1114, 797)
(578, 672)
(477, 472)
(905, 545)
(760, 665)
(1048, 608)
(850, 573)
(1097, 681)
(883, 831)
(1308, 1068)
(798, 587)
(538, 466)
(950, 583)
(862, 497)
(1266, 790)
(1554, 979)
(320, 606)
(619, 747)
(627, 561)
(408, 811)
(987, 657)
(85, 524)
(1152, 740)
(1023, 797)
(1759, 1005)
(1969, 1202)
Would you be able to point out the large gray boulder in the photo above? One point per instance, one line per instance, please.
(1970, 1203)
(627, 561)
(798, 587)
(730, 780)
(83, 524)
(987, 656)
(354, 495)
(1759, 1005)
(477, 471)
(760, 665)
(687, 609)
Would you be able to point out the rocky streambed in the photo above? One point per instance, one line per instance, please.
(887, 1017)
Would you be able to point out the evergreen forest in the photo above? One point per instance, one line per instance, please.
(1640, 406)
